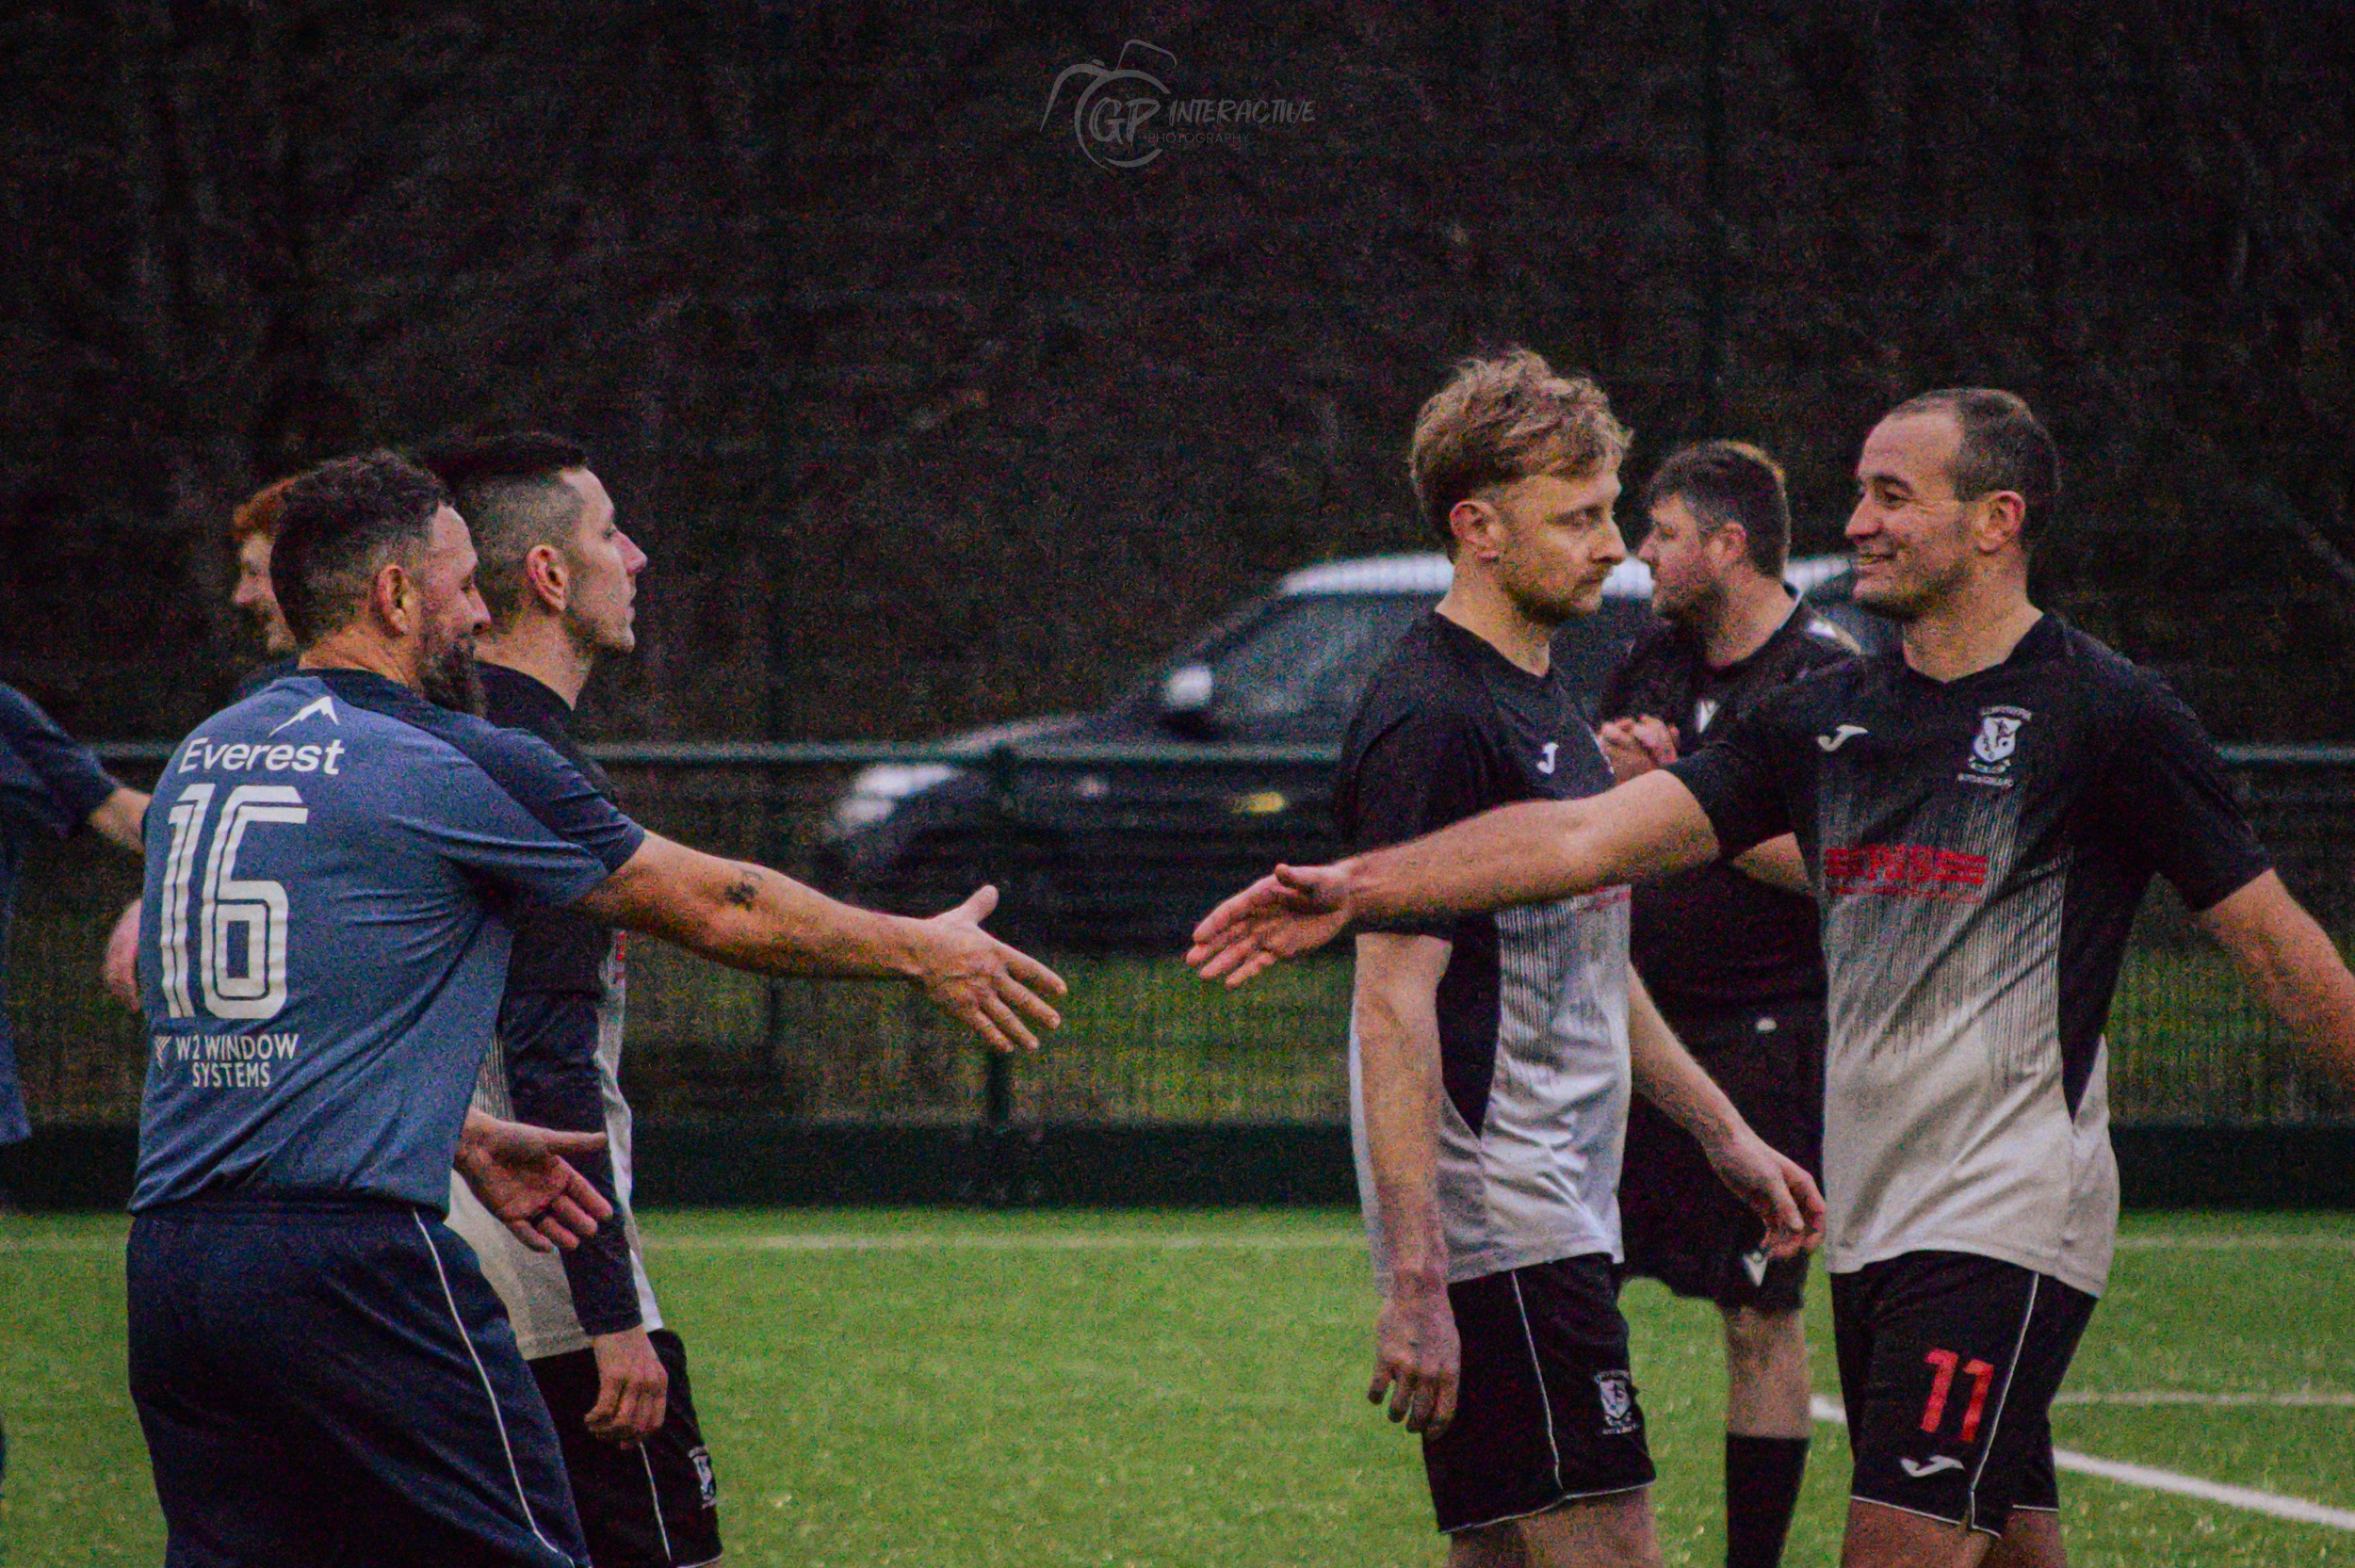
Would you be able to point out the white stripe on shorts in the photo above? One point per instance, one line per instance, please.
(498, 1417)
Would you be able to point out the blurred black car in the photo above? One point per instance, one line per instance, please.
(1115, 830)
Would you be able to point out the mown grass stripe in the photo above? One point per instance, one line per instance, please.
(2295, 1399)
(2152, 1479)
(934, 1240)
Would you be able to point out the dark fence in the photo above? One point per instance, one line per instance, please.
(1120, 847)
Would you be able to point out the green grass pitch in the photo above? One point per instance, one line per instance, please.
(1187, 1388)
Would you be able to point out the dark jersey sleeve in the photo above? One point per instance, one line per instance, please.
(549, 1040)
(1739, 777)
(46, 776)
(540, 829)
(2164, 795)
(1426, 772)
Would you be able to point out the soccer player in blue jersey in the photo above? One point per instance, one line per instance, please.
(1980, 811)
(335, 863)
(49, 784)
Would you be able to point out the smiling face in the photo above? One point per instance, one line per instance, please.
(1911, 535)
(1551, 541)
(602, 565)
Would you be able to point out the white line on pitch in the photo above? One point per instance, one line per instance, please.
(917, 1241)
(2249, 1498)
(912, 1241)
(2216, 1243)
(2295, 1399)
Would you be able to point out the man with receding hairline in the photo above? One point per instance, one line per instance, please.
(1980, 810)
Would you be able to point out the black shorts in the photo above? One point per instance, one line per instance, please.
(1546, 1413)
(1948, 1365)
(332, 1380)
(1678, 1223)
(653, 1506)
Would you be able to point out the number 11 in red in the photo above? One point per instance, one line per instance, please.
(1934, 1410)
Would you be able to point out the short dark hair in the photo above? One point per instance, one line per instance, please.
(1505, 419)
(337, 525)
(1730, 481)
(2005, 446)
(509, 487)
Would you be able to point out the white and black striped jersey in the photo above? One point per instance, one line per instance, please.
(1533, 1005)
(1978, 849)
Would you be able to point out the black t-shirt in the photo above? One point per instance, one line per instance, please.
(1713, 938)
(1979, 848)
(1532, 1004)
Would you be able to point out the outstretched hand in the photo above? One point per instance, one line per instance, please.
(982, 982)
(520, 1174)
(1779, 1190)
(1295, 911)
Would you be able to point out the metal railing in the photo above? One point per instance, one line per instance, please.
(1124, 845)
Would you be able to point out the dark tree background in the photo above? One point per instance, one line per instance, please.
(928, 420)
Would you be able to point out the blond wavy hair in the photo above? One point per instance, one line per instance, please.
(1505, 419)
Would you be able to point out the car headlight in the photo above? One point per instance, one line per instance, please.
(876, 792)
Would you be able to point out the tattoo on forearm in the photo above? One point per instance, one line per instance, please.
(744, 891)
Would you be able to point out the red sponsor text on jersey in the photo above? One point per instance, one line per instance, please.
(1905, 871)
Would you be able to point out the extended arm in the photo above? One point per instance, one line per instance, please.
(1417, 1355)
(1534, 852)
(750, 917)
(2294, 965)
(1519, 854)
(1779, 1190)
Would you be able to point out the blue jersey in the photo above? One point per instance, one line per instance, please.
(49, 783)
(331, 868)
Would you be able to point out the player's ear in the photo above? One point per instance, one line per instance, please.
(544, 568)
(1476, 525)
(393, 595)
(1998, 519)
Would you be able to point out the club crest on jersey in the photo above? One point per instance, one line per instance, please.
(1618, 1393)
(1993, 747)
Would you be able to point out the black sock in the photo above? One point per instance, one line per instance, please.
(1762, 1488)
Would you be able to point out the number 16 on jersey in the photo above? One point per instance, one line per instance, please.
(258, 988)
